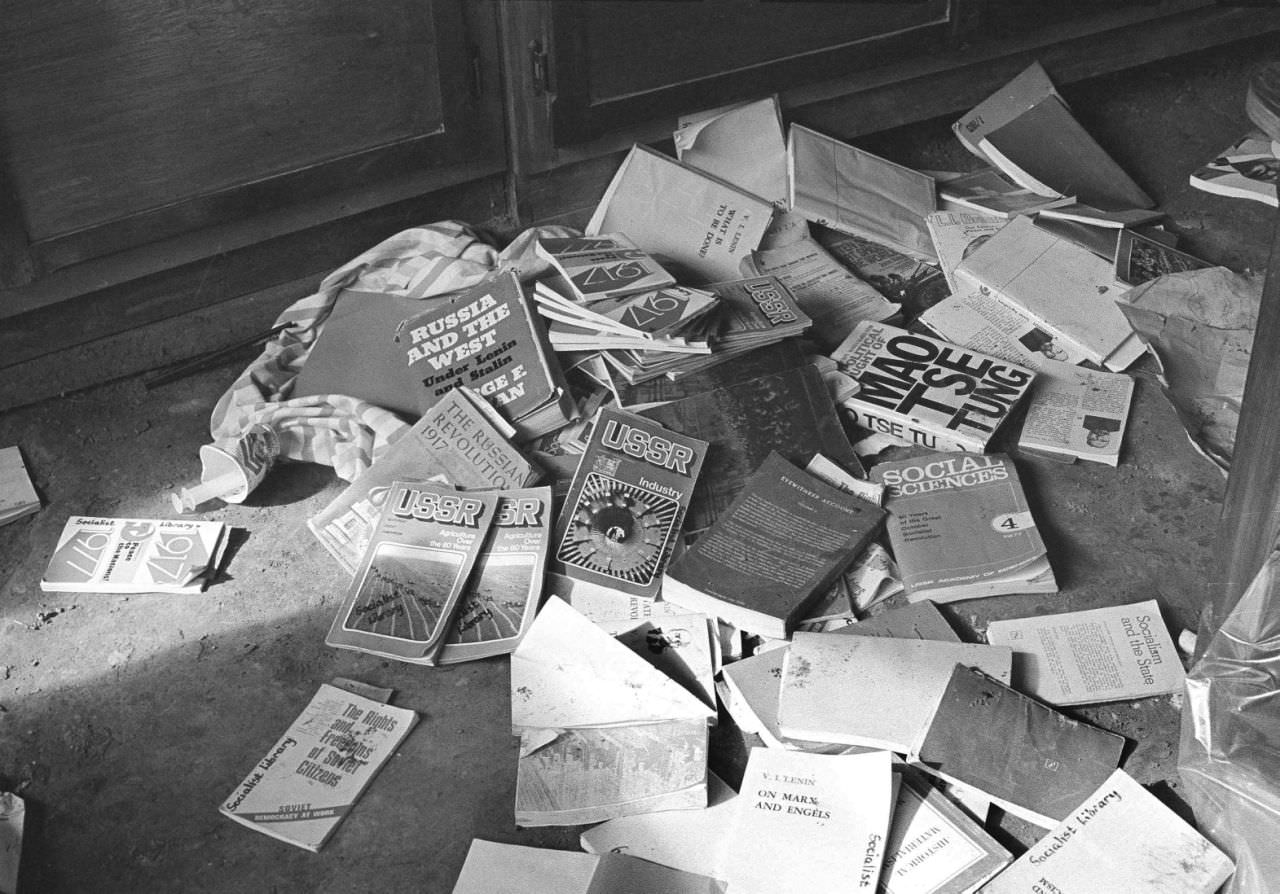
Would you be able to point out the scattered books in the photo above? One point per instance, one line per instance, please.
(502, 593)
(809, 822)
(1027, 131)
(846, 188)
(626, 506)
(960, 528)
(1120, 837)
(17, 495)
(602, 732)
(926, 391)
(135, 555)
(490, 339)
(1247, 169)
(877, 692)
(1067, 289)
(697, 226)
(596, 268)
(494, 868)
(1026, 757)
(1099, 655)
(1077, 413)
(413, 573)
(774, 551)
(314, 774)
(934, 846)
(455, 442)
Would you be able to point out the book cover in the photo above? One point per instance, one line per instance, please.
(743, 144)
(1120, 837)
(956, 235)
(495, 868)
(809, 822)
(17, 495)
(1026, 757)
(1247, 169)
(490, 339)
(934, 846)
(605, 266)
(350, 354)
(755, 311)
(789, 412)
(930, 392)
(312, 777)
(681, 645)
(915, 620)
(846, 188)
(626, 505)
(774, 551)
(697, 226)
(134, 555)
(1077, 413)
(502, 593)
(1030, 86)
(1099, 655)
(413, 573)
(877, 692)
(960, 528)
(453, 443)
(1068, 290)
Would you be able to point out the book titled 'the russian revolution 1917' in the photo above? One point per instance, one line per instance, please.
(927, 391)
(314, 774)
(626, 505)
(401, 601)
(960, 528)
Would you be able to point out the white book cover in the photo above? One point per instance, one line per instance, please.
(311, 778)
(1121, 838)
(1100, 655)
(877, 692)
(1077, 413)
(697, 226)
(810, 823)
(493, 867)
(682, 646)
(134, 555)
(743, 144)
(1063, 286)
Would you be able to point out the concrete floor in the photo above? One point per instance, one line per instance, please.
(125, 720)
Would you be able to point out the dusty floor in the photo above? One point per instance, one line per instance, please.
(124, 721)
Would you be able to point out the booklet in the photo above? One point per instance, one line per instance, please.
(495, 868)
(312, 777)
(1099, 655)
(135, 555)
(595, 268)
(742, 144)
(413, 574)
(1077, 413)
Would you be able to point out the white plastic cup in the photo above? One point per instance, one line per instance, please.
(230, 470)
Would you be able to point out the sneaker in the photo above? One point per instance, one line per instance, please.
(1262, 101)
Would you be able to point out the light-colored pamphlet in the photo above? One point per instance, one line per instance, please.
(312, 777)
(1121, 838)
(1077, 413)
(935, 847)
(135, 555)
(682, 646)
(1099, 655)
(495, 868)
(697, 226)
(957, 234)
(810, 822)
(846, 188)
(877, 692)
(742, 144)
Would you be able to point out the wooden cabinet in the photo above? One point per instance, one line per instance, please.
(195, 166)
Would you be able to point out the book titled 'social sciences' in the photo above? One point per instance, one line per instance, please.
(927, 391)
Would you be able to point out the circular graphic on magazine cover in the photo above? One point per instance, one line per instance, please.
(618, 530)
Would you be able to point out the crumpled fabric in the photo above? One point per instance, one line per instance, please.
(430, 263)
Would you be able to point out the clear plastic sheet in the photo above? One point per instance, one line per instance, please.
(1229, 760)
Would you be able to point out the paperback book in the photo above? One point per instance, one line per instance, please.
(957, 234)
(1099, 655)
(1029, 759)
(774, 552)
(742, 144)
(503, 591)
(1077, 413)
(929, 392)
(1140, 258)
(960, 528)
(490, 339)
(312, 777)
(987, 191)
(413, 574)
(626, 505)
(453, 443)
(135, 555)
(609, 265)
